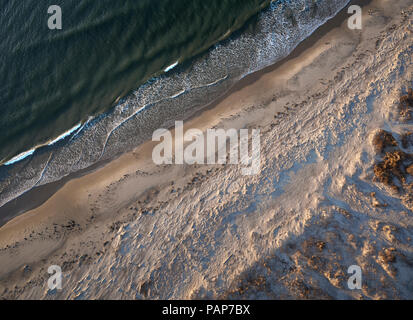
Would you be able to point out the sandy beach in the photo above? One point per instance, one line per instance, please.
(130, 229)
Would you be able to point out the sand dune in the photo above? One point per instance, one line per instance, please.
(135, 230)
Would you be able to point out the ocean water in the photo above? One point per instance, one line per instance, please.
(118, 70)
(53, 79)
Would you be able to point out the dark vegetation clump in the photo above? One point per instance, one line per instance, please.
(383, 140)
(395, 167)
(406, 105)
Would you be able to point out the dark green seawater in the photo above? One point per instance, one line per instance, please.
(50, 80)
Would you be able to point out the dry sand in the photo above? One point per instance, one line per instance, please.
(135, 230)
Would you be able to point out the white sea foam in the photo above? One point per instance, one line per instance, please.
(171, 66)
(19, 157)
(64, 135)
(28, 153)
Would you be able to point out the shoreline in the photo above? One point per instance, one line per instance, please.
(37, 196)
(156, 105)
